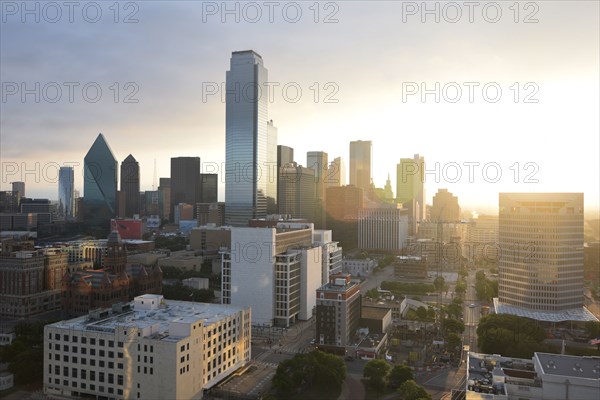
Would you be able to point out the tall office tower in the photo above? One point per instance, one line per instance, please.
(66, 199)
(164, 198)
(270, 172)
(99, 183)
(285, 155)
(317, 161)
(185, 180)
(249, 158)
(410, 189)
(541, 261)
(482, 237)
(130, 185)
(445, 207)
(296, 195)
(19, 187)
(336, 173)
(76, 204)
(9, 202)
(338, 311)
(360, 164)
(209, 188)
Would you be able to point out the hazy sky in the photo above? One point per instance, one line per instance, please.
(370, 61)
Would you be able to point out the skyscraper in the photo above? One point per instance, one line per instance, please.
(410, 189)
(130, 185)
(164, 198)
(296, 196)
(185, 181)
(19, 187)
(541, 255)
(317, 161)
(209, 188)
(360, 164)
(285, 155)
(251, 155)
(66, 199)
(336, 173)
(445, 207)
(99, 183)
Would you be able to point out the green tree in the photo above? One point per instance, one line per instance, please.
(592, 328)
(454, 310)
(453, 341)
(372, 293)
(439, 283)
(411, 391)
(461, 288)
(510, 336)
(376, 371)
(400, 374)
(450, 325)
(421, 313)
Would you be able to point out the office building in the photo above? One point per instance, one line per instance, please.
(130, 186)
(445, 207)
(251, 146)
(338, 311)
(482, 238)
(410, 189)
(183, 212)
(360, 165)
(185, 180)
(209, 188)
(99, 184)
(541, 261)
(210, 213)
(317, 161)
(9, 202)
(66, 199)
(151, 348)
(18, 189)
(336, 173)
(164, 198)
(39, 207)
(30, 280)
(284, 266)
(332, 253)
(384, 228)
(543, 377)
(297, 188)
(410, 267)
(285, 155)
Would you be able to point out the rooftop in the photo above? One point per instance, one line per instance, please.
(571, 366)
(577, 314)
(374, 312)
(141, 316)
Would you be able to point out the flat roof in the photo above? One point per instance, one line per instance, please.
(577, 314)
(169, 311)
(372, 312)
(572, 366)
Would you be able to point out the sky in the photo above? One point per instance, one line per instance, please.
(499, 97)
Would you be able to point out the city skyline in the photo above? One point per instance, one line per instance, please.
(368, 92)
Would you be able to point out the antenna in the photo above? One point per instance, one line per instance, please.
(154, 177)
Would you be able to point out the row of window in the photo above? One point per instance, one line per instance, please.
(84, 340)
(83, 374)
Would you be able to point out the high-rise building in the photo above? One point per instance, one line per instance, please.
(271, 171)
(284, 264)
(338, 311)
(360, 164)
(296, 195)
(99, 184)
(285, 155)
(185, 180)
(410, 189)
(383, 228)
(151, 348)
(336, 173)
(209, 188)
(317, 161)
(19, 189)
(541, 261)
(66, 201)
(343, 202)
(445, 207)
(164, 198)
(251, 154)
(9, 202)
(332, 253)
(130, 185)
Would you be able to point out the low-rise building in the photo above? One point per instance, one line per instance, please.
(358, 267)
(151, 348)
(338, 311)
(411, 267)
(196, 283)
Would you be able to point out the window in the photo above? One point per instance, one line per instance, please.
(101, 363)
(102, 342)
(74, 339)
(120, 355)
(120, 344)
(93, 341)
(101, 377)
(101, 353)
(111, 365)
(83, 341)
(74, 372)
(65, 338)
(111, 343)
(92, 376)
(120, 365)
(120, 379)
(92, 352)
(83, 374)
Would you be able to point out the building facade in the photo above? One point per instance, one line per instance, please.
(338, 311)
(130, 186)
(541, 241)
(410, 189)
(445, 207)
(185, 180)
(297, 192)
(251, 147)
(151, 348)
(383, 228)
(66, 198)
(99, 183)
(360, 164)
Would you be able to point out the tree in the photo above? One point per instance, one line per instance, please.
(510, 336)
(400, 374)
(411, 391)
(461, 288)
(376, 371)
(454, 310)
(592, 328)
(453, 341)
(451, 325)
(372, 293)
(421, 313)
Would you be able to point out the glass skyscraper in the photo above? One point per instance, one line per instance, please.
(66, 199)
(251, 149)
(99, 183)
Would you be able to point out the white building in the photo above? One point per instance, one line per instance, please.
(148, 349)
(332, 253)
(359, 267)
(196, 283)
(382, 228)
(275, 271)
(544, 377)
